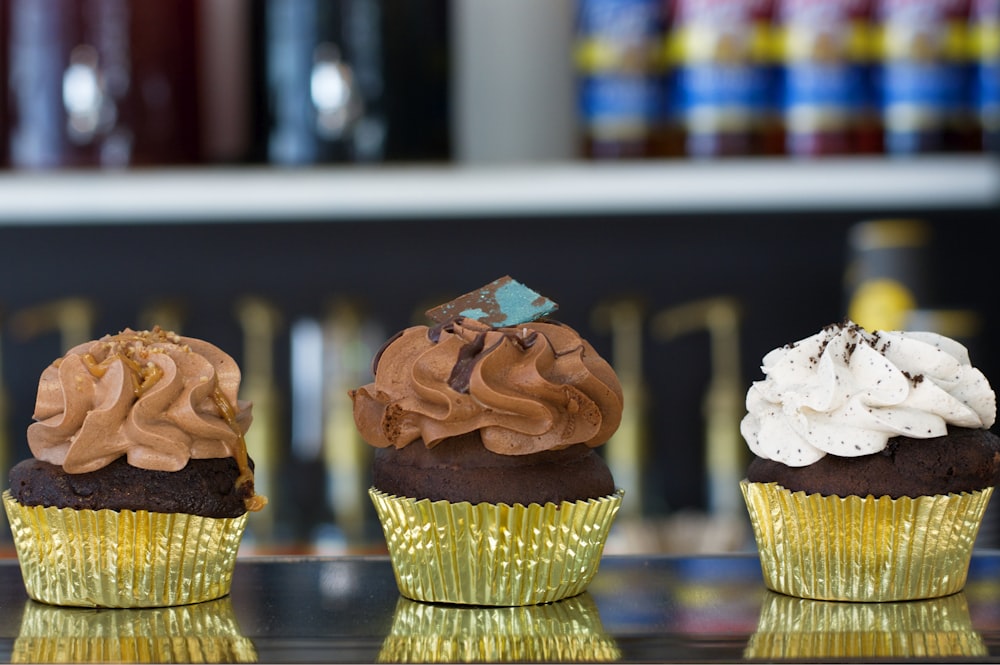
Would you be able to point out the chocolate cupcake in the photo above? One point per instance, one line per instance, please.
(874, 464)
(486, 426)
(140, 485)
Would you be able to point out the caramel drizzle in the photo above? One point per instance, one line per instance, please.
(254, 502)
(145, 377)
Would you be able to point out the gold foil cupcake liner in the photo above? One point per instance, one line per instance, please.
(863, 548)
(494, 554)
(798, 628)
(107, 558)
(568, 630)
(205, 632)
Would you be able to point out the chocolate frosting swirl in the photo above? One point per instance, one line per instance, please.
(156, 397)
(529, 388)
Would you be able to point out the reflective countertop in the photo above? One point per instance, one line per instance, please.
(637, 609)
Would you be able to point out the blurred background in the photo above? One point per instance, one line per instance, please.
(695, 182)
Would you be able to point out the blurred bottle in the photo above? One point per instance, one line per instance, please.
(722, 79)
(924, 78)
(985, 37)
(4, 19)
(352, 80)
(107, 83)
(620, 71)
(226, 40)
(164, 99)
(825, 88)
(417, 39)
(324, 77)
(886, 277)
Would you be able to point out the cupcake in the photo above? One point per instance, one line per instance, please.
(568, 630)
(873, 466)
(486, 474)
(140, 486)
(198, 633)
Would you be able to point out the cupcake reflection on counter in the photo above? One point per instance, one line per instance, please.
(206, 632)
(799, 628)
(568, 630)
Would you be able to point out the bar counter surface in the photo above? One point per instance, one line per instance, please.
(637, 609)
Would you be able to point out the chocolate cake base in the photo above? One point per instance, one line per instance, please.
(964, 460)
(204, 487)
(461, 469)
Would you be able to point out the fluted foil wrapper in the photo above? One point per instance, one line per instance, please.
(863, 548)
(494, 554)
(107, 558)
(568, 630)
(200, 633)
(799, 628)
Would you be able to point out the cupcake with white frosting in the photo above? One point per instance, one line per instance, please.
(873, 467)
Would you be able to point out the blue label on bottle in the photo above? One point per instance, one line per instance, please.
(837, 86)
(987, 87)
(618, 99)
(935, 86)
(724, 87)
(621, 21)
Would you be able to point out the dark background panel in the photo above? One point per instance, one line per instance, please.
(785, 271)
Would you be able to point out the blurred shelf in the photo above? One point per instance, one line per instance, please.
(254, 194)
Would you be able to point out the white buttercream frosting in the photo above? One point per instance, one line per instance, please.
(846, 391)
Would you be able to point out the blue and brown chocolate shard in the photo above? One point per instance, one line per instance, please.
(502, 302)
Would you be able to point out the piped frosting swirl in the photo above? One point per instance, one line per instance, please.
(527, 388)
(846, 391)
(153, 396)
